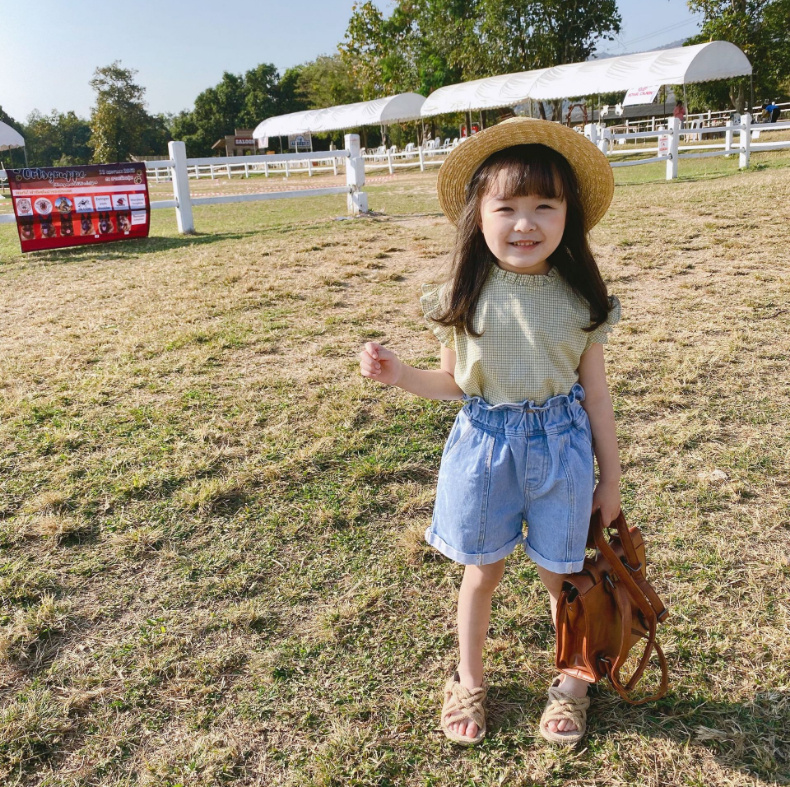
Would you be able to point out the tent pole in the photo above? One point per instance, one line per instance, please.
(685, 100)
(751, 93)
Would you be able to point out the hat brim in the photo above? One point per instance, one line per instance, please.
(591, 167)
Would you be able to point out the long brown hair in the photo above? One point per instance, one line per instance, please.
(526, 170)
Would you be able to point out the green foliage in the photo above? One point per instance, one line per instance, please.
(420, 46)
(326, 82)
(519, 36)
(424, 46)
(761, 28)
(238, 101)
(58, 139)
(120, 124)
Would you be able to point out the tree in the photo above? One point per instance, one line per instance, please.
(420, 47)
(326, 82)
(57, 139)
(426, 45)
(543, 34)
(120, 124)
(238, 101)
(761, 28)
(520, 36)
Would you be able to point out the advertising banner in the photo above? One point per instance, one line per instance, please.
(641, 95)
(69, 206)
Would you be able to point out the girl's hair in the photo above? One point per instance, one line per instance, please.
(526, 170)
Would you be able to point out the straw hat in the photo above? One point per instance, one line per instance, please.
(595, 177)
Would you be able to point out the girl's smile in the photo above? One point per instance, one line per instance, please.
(522, 232)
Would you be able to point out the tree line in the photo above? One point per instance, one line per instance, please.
(421, 46)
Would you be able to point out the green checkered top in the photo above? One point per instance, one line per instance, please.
(532, 337)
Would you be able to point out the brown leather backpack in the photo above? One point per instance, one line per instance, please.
(606, 608)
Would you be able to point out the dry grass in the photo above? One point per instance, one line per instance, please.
(211, 526)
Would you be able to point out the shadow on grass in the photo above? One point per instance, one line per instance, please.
(150, 245)
(752, 737)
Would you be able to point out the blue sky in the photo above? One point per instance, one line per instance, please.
(48, 55)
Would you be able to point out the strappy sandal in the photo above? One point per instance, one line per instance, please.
(561, 707)
(462, 703)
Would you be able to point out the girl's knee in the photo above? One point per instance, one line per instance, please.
(484, 579)
(552, 581)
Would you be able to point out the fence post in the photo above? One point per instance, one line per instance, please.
(591, 132)
(603, 141)
(355, 176)
(674, 141)
(246, 170)
(287, 172)
(309, 168)
(745, 140)
(728, 137)
(334, 166)
(422, 159)
(178, 153)
(265, 169)
(389, 161)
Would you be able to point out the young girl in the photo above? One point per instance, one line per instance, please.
(521, 320)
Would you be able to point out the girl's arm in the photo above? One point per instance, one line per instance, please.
(598, 404)
(384, 366)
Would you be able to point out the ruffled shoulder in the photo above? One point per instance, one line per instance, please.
(432, 303)
(601, 334)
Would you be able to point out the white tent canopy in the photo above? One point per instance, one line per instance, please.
(10, 138)
(677, 66)
(381, 111)
(489, 93)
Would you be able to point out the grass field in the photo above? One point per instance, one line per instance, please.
(213, 569)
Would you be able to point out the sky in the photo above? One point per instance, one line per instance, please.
(49, 50)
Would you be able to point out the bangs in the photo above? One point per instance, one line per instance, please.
(524, 170)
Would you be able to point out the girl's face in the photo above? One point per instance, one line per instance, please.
(522, 232)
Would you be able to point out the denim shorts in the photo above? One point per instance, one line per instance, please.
(507, 464)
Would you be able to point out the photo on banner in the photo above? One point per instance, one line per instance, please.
(57, 207)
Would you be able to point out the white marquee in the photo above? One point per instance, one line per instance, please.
(381, 111)
(10, 138)
(677, 66)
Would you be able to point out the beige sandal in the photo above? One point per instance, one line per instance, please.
(462, 703)
(560, 707)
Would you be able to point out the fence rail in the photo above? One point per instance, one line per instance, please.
(669, 150)
(178, 165)
(178, 168)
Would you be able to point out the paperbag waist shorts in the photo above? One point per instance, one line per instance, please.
(504, 465)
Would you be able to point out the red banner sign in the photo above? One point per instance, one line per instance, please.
(69, 206)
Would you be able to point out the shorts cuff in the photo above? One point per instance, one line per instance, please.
(552, 565)
(466, 559)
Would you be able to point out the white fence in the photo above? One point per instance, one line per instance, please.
(668, 148)
(244, 166)
(178, 165)
(432, 153)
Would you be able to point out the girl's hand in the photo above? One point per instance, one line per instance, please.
(380, 364)
(606, 497)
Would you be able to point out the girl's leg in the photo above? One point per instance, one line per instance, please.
(474, 613)
(569, 685)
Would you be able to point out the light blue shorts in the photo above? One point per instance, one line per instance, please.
(507, 464)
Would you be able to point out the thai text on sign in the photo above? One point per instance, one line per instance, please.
(69, 206)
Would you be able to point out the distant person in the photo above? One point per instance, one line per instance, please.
(522, 321)
(679, 112)
(772, 111)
